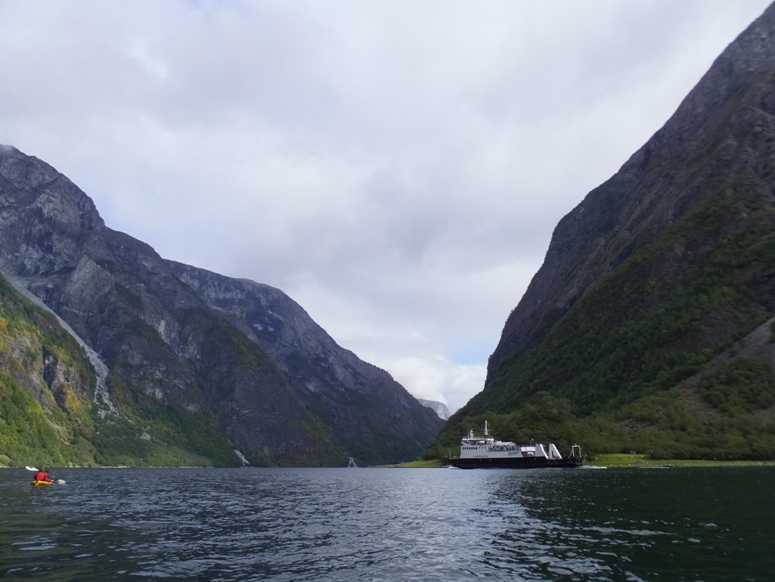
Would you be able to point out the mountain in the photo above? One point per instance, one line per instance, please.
(649, 325)
(363, 406)
(438, 407)
(189, 365)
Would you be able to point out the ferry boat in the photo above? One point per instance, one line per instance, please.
(481, 452)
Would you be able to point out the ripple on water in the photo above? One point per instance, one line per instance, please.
(387, 525)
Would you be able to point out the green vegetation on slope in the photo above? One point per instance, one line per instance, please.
(665, 425)
(611, 369)
(624, 340)
(37, 357)
(44, 421)
(151, 434)
(28, 434)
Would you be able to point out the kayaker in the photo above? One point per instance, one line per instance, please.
(43, 475)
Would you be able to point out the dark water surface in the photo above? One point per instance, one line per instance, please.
(390, 524)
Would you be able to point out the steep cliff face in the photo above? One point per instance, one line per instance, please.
(186, 372)
(663, 267)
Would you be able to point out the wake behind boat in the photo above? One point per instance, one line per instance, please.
(481, 452)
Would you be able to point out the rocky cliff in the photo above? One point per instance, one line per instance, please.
(195, 364)
(438, 407)
(653, 277)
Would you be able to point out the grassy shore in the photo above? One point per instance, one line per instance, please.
(642, 462)
(432, 464)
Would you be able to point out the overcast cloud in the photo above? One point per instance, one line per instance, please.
(396, 167)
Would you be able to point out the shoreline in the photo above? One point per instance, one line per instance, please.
(617, 461)
(629, 461)
(605, 461)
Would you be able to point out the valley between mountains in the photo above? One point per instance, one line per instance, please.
(649, 328)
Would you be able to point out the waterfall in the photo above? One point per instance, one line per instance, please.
(101, 395)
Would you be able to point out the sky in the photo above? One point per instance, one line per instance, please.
(396, 167)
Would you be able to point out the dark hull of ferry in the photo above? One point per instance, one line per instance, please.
(515, 463)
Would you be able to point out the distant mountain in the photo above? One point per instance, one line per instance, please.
(438, 407)
(649, 325)
(189, 365)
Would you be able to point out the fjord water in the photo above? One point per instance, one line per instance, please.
(389, 524)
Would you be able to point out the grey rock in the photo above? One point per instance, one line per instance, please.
(438, 407)
(280, 389)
